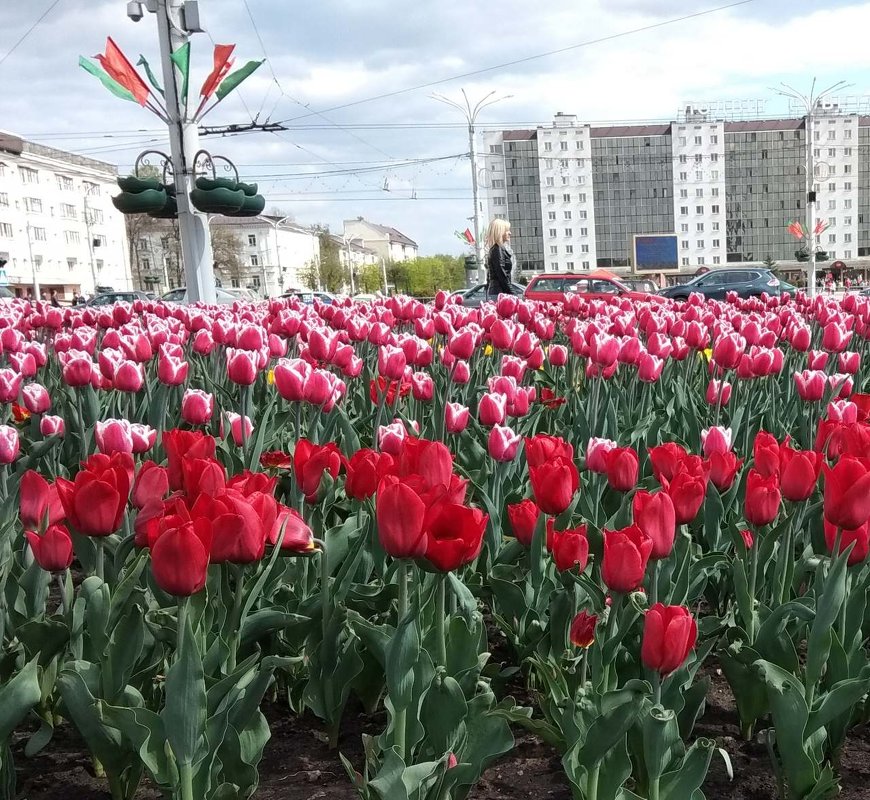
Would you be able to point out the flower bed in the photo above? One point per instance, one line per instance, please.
(342, 511)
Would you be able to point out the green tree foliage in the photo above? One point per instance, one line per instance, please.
(424, 276)
(328, 273)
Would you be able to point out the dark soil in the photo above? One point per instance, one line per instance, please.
(298, 764)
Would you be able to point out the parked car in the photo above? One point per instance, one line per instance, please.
(309, 297)
(108, 298)
(641, 285)
(179, 295)
(746, 281)
(5, 293)
(473, 297)
(556, 287)
(245, 295)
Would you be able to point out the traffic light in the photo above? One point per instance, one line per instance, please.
(140, 195)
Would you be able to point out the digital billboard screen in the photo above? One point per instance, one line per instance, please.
(656, 253)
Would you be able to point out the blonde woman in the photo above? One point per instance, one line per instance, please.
(499, 258)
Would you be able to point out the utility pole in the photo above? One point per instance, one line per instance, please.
(183, 145)
(90, 244)
(32, 265)
(275, 225)
(471, 111)
(347, 250)
(810, 103)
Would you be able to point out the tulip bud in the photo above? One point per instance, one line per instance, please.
(51, 426)
(128, 376)
(621, 468)
(718, 392)
(716, 439)
(197, 407)
(491, 409)
(582, 632)
(242, 366)
(53, 551)
(761, 503)
(557, 355)
(626, 553)
(36, 398)
(113, 436)
(523, 517)
(596, 454)
(503, 443)
(669, 634)
(456, 417)
(144, 437)
(235, 422)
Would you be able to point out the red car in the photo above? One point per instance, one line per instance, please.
(555, 287)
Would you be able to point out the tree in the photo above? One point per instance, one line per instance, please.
(424, 276)
(327, 272)
(769, 262)
(228, 254)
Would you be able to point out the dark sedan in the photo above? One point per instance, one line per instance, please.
(715, 284)
(473, 297)
(110, 298)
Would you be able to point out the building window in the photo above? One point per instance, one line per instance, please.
(832, 187)
(581, 179)
(71, 264)
(252, 239)
(38, 234)
(699, 244)
(684, 227)
(847, 134)
(72, 237)
(99, 265)
(847, 169)
(554, 250)
(563, 163)
(847, 254)
(498, 184)
(700, 259)
(683, 159)
(684, 244)
(255, 260)
(566, 181)
(91, 189)
(847, 186)
(832, 204)
(551, 198)
(715, 243)
(553, 233)
(714, 139)
(5, 230)
(2, 170)
(699, 227)
(699, 209)
(581, 197)
(584, 248)
(497, 200)
(96, 216)
(548, 146)
(581, 214)
(33, 204)
(37, 263)
(714, 209)
(714, 156)
(832, 135)
(584, 231)
(567, 215)
(569, 232)
(715, 190)
(684, 262)
(699, 192)
(495, 148)
(847, 238)
(99, 240)
(699, 140)
(847, 203)
(554, 265)
(847, 221)
(579, 145)
(717, 260)
(714, 175)
(569, 249)
(563, 145)
(684, 193)
(832, 222)
(4, 199)
(566, 198)
(67, 211)
(551, 215)
(698, 158)
(64, 183)
(570, 264)
(551, 181)
(699, 176)
(28, 175)
(684, 210)
(832, 238)
(684, 176)
(682, 141)
(715, 226)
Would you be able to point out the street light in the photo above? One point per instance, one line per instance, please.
(810, 102)
(275, 225)
(471, 111)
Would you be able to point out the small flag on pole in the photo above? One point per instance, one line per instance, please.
(796, 230)
(821, 227)
(469, 236)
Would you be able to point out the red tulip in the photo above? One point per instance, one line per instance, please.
(603, 349)
(152, 483)
(669, 634)
(76, 371)
(817, 360)
(180, 444)
(460, 373)
(723, 469)
(626, 553)
(843, 411)
(242, 366)
(687, 489)
(569, 547)
(197, 407)
(543, 448)
(10, 385)
(847, 493)
(128, 376)
(235, 428)
(799, 472)
(461, 344)
(9, 444)
(503, 443)
(250, 483)
(53, 551)
(365, 470)
(96, 501)
(237, 522)
(422, 387)
(392, 437)
(860, 536)
(311, 461)
(291, 376)
(835, 337)
(454, 535)
(180, 558)
(621, 467)
(761, 504)
(298, 537)
(800, 338)
(862, 401)
(51, 426)
(400, 515)
(554, 484)
(39, 504)
(748, 538)
(665, 459)
(144, 437)
(766, 453)
(523, 518)
(582, 631)
(653, 513)
(557, 355)
(456, 417)
(849, 362)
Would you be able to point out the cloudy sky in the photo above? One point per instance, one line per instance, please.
(401, 160)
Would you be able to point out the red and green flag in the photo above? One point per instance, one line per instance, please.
(115, 63)
(181, 59)
(235, 78)
(222, 66)
(110, 83)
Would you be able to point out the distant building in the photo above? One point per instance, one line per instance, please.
(576, 194)
(57, 221)
(387, 243)
(268, 254)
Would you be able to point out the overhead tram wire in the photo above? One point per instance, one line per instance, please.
(30, 30)
(526, 59)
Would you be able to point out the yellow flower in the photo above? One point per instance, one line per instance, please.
(487, 351)
(707, 354)
(270, 377)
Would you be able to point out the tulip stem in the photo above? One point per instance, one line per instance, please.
(753, 577)
(238, 571)
(245, 406)
(441, 620)
(654, 583)
(81, 419)
(99, 566)
(325, 599)
(401, 713)
(60, 577)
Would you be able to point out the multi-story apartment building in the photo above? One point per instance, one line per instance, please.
(57, 222)
(576, 194)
